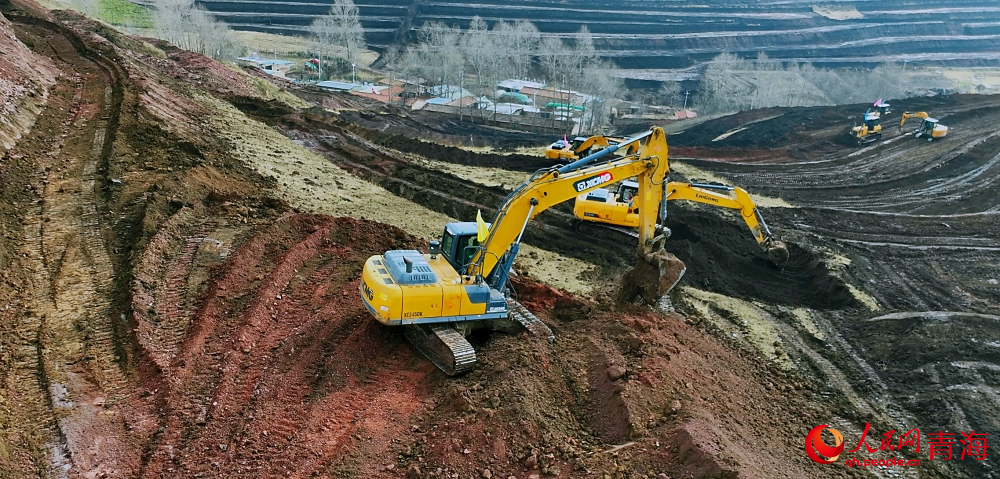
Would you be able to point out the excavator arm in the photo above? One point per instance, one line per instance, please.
(735, 198)
(907, 115)
(550, 187)
(563, 150)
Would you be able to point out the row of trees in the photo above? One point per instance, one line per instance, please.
(338, 36)
(180, 22)
(731, 83)
(478, 57)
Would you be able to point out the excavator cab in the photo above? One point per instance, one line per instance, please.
(459, 244)
(871, 120)
(626, 191)
(928, 126)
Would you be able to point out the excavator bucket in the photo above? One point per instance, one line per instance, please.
(653, 277)
(777, 253)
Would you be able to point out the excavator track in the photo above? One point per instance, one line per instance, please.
(530, 322)
(451, 352)
(443, 346)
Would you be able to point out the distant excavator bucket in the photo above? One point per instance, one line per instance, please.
(777, 253)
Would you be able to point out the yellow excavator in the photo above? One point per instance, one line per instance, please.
(868, 131)
(929, 127)
(617, 210)
(582, 146)
(461, 284)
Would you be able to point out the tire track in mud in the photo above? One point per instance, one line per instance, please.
(284, 370)
(73, 273)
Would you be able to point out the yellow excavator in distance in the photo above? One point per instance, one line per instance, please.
(929, 127)
(618, 210)
(868, 131)
(582, 146)
(461, 284)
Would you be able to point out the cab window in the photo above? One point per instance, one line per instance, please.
(446, 241)
(466, 250)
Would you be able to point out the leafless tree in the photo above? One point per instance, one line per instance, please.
(552, 56)
(437, 57)
(338, 34)
(191, 28)
(479, 50)
(521, 43)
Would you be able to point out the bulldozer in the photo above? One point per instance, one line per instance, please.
(882, 108)
(462, 283)
(868, 131)
(929, 127)
(582, 146)
(617, 211)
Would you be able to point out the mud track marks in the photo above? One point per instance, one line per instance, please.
(283, 369)
(72, 274)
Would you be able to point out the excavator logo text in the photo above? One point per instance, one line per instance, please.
(593, 181)
(368, 291)
(706, 197)
(817, 449)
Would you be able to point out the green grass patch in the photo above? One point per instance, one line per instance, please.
(124, 13)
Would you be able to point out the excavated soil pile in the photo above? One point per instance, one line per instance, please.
(721, 256)
(282, 369)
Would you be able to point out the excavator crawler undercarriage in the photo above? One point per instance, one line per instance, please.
(448, 349)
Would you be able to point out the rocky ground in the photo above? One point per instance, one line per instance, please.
(181, 244)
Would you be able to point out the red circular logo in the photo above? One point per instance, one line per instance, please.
(817, 449)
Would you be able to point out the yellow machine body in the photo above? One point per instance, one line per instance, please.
(929, 127)
(582, 146)
(618, 209)
(462, 278)
(445, 297)
(870, 130)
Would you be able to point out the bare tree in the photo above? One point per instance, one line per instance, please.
(191, 28)
(479, 49)
(552, 55)
(339, 33)
(437, 57)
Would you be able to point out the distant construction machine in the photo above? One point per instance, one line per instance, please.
(882, 108)
(929, 127)
(582, 146)
(461, 284)
(617, 210)
(870, 130)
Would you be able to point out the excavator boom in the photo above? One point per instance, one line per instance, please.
(618, 210)
(461, 283)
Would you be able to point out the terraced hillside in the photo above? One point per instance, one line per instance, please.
(642, 34)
